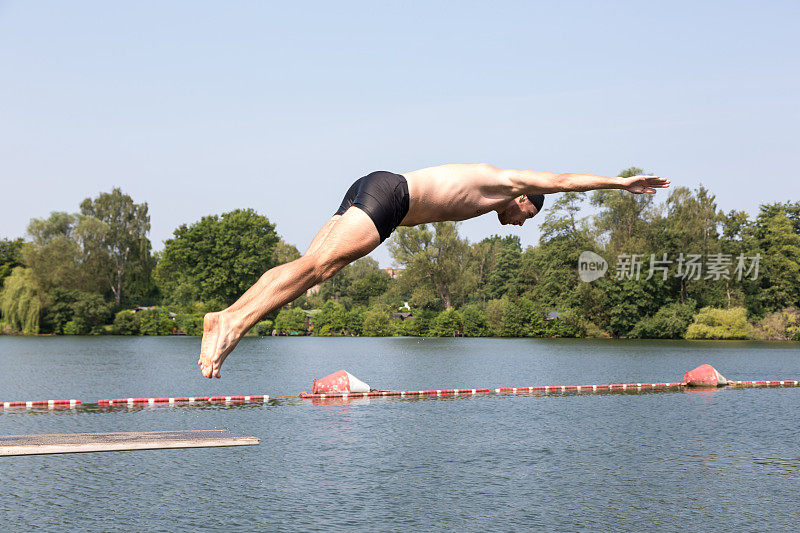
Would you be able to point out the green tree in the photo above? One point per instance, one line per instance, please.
(373, 285)
(494, 317)
(482, 260)
(736, 240)
(628, 301)
(356, 283)
(789, 209)
(87, 311)
(514, 317)
(503, 278)
(548, 272)
(521, 318)
(217, 258)
(623, 216)
(22, 300)
(669, 322)
(10, 257)
(779, 270)
(691, 226)
(284, 252)
(123, 248)
(433, 256)
(561, 220)
(59, 253)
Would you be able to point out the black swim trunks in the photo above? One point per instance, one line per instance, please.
(381, 195)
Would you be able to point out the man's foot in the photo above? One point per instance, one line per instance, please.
(219, 339)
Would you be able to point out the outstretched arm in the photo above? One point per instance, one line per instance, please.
(533, 182)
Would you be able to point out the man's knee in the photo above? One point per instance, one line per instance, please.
(326, 265)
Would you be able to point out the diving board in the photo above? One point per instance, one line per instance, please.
(113, 442)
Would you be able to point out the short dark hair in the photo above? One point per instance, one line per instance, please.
(537, 200)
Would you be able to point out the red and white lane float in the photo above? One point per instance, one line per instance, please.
(339, 385)
(260, 398)
(40, 404)
(704, 376)
(340, 382)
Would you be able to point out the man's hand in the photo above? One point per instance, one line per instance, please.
(644, 184)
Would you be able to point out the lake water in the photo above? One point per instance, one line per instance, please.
(611, 461)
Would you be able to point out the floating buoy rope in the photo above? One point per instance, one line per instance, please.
(343, 385)
(704, 376)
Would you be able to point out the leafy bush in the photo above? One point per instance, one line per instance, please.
(669, 322)
(87, 312)
(291, 322)
(474, 321)
(410, 327)
(355, 321)
(494, 317)
(569, 324)
(263, 328)
(713, 323)
(156, 322)
(59, 312)
(448, 323)
(331, 320)
(377, 324)
(73, 328)
(520, 319)
(189, 324)
(593, 331)
(125, 323)
(781, 325)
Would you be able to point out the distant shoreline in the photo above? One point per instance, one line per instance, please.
(43, 335)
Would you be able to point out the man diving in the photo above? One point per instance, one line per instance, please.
(371, 210)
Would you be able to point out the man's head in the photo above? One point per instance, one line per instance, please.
(520, 209)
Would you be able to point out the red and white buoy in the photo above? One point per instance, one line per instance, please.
(339, 382)
(704, 376)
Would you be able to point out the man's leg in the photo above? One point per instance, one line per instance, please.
(322, 234)
(351, 236)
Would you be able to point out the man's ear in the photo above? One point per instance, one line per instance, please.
(521, 199)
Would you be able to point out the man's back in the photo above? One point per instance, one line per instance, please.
(454, 192)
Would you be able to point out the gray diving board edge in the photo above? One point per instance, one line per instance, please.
(113, 442)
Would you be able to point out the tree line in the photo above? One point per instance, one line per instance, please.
(679, 268)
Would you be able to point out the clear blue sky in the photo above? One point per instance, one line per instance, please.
(203, 107)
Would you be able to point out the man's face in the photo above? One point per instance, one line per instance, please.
(517, 211)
